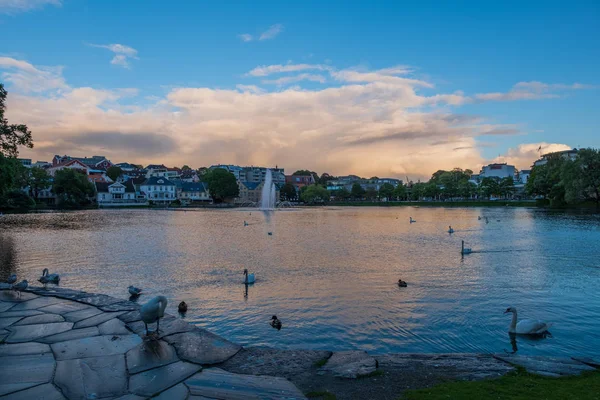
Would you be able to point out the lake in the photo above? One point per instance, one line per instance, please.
(330, 274)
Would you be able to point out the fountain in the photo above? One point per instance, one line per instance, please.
(267, 198)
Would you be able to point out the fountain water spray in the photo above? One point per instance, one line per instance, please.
(267, 198)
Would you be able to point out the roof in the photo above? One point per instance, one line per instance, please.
(158, 180)
(192, 186)
(71, 162)
(251, 185)
(156, 166)
(102, 187)
(525, 171)
(138, 180)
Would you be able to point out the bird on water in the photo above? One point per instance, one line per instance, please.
(275, 322)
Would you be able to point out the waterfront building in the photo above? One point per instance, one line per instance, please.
(498, 171)
(524, 176)
(41, 164)
(94, 162)
(566, 154)
(193, 191)
(25, 161)
(251, 192)
(72, 164)
(158, 190)
(299, 181)
(112, 194)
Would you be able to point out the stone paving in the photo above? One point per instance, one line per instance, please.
(64, 344)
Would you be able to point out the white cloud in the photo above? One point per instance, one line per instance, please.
(533, 90)
(250, 88)
(245, 37)
(264, 70)
(296, 78)
(25, 77)
(272, 32)
(18, 6)
(122, 53)
(525, 154)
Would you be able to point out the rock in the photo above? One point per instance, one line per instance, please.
(150, 354)
(169, 325)
(129, 397)
(71, 335)
(121, 306)
(56, 291)
(65, 307)
(95, 346)
(92, 378)
(154, 381)
(6, 322)
(177, 392)
(589, 361)
(26, 313)
(36, 303)
(455, 365)
(21, 349)
(76, 316)
(5, 305)
(13, 297)
(130, 316)
(99, 300)
(350, 364)
(113, 327)
(215, 383)
(202, 347)
(28, 333)
(96, 319)
(40, 319)
(45, 392)
(22, 372)
(266, 361)
(548, 366)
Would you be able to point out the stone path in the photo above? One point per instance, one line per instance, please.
(64, 344)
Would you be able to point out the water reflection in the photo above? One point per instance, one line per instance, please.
(8, 257)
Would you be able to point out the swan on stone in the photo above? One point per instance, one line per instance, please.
(153, 311)
(526, 326)
(48, 278)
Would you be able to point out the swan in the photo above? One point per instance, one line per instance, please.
(450, 230)
(526, 326)
(465, 250)
(249, 278)
(245, 223)
(134, 291)
(412, 220)
(270, 233)
(48, 278)
(182, 307)
(12, 279)
(402, 283)
(275, 322)
(153, 311)
(479, 218)
(19, 287)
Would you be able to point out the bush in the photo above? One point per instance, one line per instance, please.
(18, 200)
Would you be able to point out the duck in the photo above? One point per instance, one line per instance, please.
(21, 286)
(275, 322)
(134, 291)
(49, 278)
(182, 307)
(270, 233)
(412, 220)
(153, 311)
(245, 223)
(479, 218)
(248, 278)
(12, 279)
(402, 283)
(450, 230)
(526, 326)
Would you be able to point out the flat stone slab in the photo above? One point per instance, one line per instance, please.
(215, 383)
(177, 392)
(76, 316)
(97, 346)
(36, 303)
(5, 322)
(45, 392)
(266, 361)
(113, 327)
(121, 306)
(548, 366)
(130, 397)
(350, 364)
(202, 347)
(26, 313)
(28, 333)
(458, 366)
(589, 361)
(154, 381)
(13, 296)
(40, 319)
(22, 372)
(64, 307)
(150, 354)
(5, 305)
(71, 335)
(168, 326)
(99, 300)
(130, 316)
(96, 319)
(22, 349)
(57, 291)
(92, 378)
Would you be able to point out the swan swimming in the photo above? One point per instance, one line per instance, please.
(465, 250)
(526, 326)
(248, 278)
(48, 278)
(402, 283)
(134, 291)
(450, 230)
(153, 311)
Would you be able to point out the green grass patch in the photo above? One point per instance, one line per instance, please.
(321, 362)
(321, 395)
(517, 385)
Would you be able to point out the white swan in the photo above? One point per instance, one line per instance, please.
(153, 311)
(526, 326)
(248, 278)
(450, 230)
(48, 278)
(134, 291)
(465, 250)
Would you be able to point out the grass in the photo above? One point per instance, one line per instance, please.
(517, 385)
(321, 395)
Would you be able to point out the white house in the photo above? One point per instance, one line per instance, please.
(193, 191)
(73, 164)
(499, 171)
(159, 190)
(117, 193)
(566, 154)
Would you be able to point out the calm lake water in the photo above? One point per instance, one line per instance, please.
(330, 274)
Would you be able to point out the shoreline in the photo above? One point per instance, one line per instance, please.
(67, 331)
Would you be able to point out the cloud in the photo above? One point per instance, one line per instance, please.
(122, 53)
(265, 70)
(297, 78)
(525, 154)
(141, 143)
(533, 90)
(25, 77)
(12, 7)
(272, 32)
(245, 37)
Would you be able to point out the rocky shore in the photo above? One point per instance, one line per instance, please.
(60, 343)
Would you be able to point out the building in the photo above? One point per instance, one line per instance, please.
(251, 192)
(193, 191)
(25, 161)
(234, 169)
(72, 164)
(42, 164)
(126, 167)
(566, 154)
(524, 176)
(154, 170)
(113, 194)
(158, 190)
(498, 171)
(94, 162)
(299, 181)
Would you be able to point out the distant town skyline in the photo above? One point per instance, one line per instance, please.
(373, 89)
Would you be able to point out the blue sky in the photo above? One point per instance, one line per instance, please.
(171, 53)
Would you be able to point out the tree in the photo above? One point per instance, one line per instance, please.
(72, 188)
(114, 172)
(12, 136)
(506, 186)
(315, 194)
(222, 184)
(13, 176)
(38, 181)
(357, 191)
(325, 178)
(586, 168)
(19, 200)
(489, 187)
(288, 192)
(186, 168)
(386, 191)
(342, 194)
(400, 192)
(371, 193)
